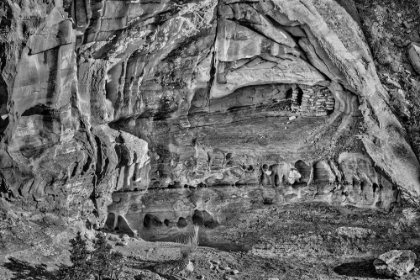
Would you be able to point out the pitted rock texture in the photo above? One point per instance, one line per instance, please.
(102, 98)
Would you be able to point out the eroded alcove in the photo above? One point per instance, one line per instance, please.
(204, 219)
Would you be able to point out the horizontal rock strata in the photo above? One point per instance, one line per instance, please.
(106, 106)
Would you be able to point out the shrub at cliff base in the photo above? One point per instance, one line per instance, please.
(99, 264)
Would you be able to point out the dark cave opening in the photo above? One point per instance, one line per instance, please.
(110, 221)
(166, 222)
(289, 93)
(204, 218)
(182, 222)
(304, 170)
(151, 221)
(123, 226)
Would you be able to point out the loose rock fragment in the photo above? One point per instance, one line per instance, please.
(395, 263)
(122, 243)
(113, 238)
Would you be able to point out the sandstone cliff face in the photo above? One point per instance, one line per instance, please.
(107, 106)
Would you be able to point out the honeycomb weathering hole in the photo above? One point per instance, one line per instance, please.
(304, 169)
(151, 221)
(182, 222)
(204, 218)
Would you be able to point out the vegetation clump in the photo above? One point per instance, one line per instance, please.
(99, 264)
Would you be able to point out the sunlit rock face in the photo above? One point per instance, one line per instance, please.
(144, 113)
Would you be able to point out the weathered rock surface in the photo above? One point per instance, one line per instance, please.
(414, 55)
(395, 263)
(106, 106)
(355, 232)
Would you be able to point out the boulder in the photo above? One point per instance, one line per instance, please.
(125, 237)
(190, 267)
(414, 56)
(395, 263)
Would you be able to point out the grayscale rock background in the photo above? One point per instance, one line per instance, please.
(149, 116)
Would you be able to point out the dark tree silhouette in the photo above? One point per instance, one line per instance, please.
(117, 265)
(101, 257)
(99, 264)
(80, 257)
(26, 271)
(106, 264)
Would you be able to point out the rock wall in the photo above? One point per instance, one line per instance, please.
(100, 99)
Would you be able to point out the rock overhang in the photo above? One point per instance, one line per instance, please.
(201, 82)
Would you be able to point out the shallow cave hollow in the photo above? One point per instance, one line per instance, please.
(205, 219)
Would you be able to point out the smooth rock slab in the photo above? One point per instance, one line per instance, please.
(395, 263)
(414, 56)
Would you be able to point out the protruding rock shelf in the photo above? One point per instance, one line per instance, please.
(167, 213)
(108, 106)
